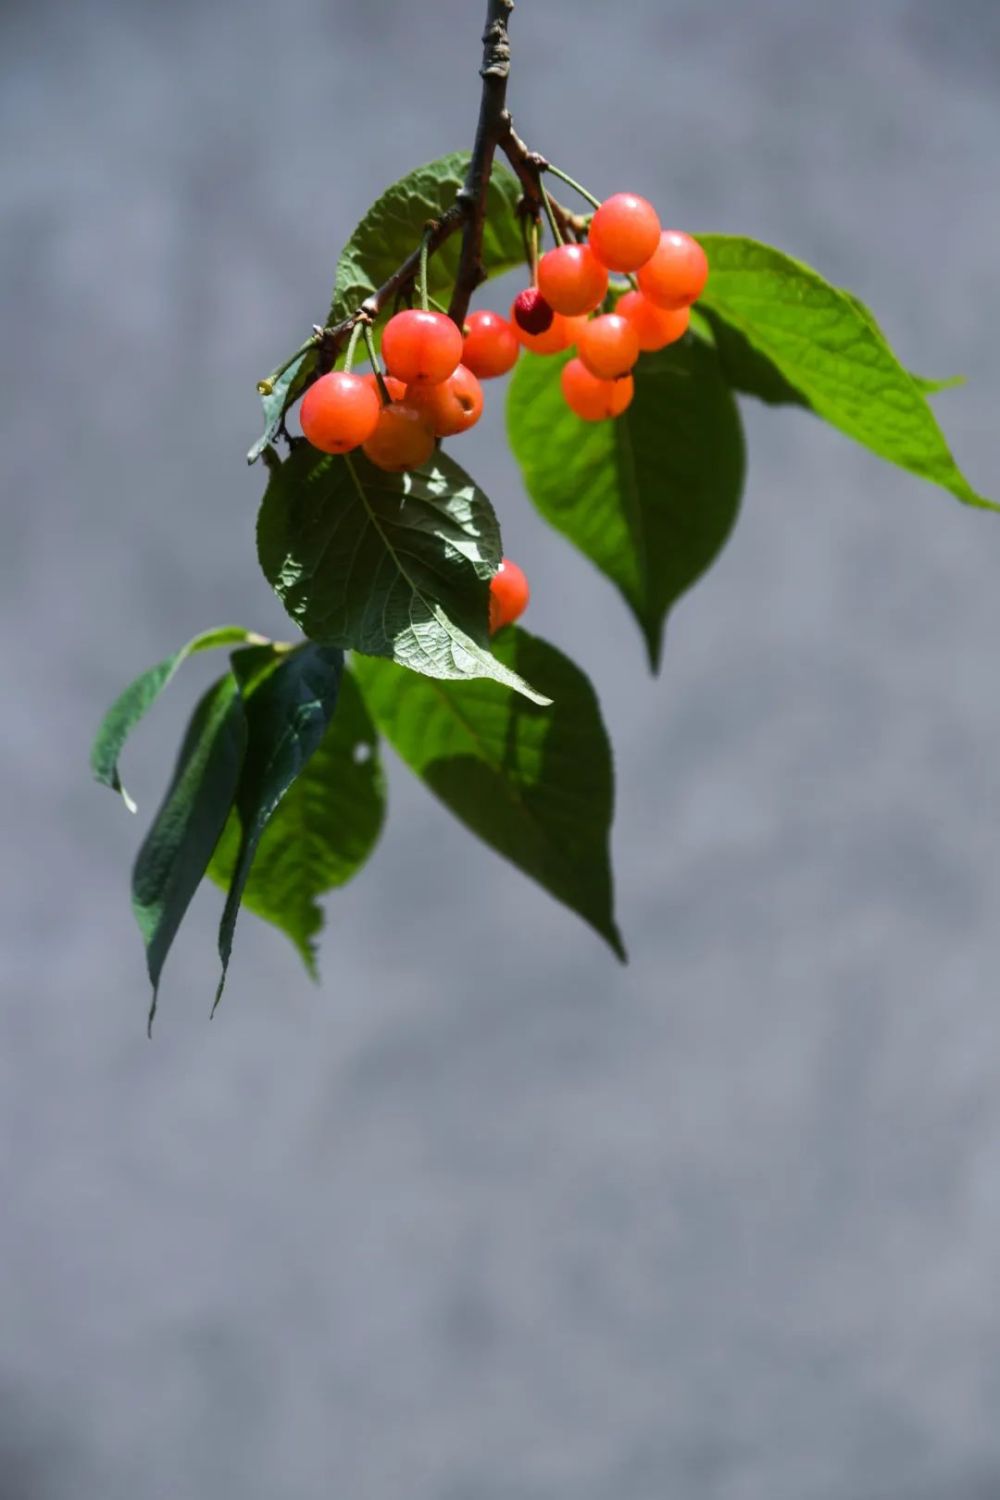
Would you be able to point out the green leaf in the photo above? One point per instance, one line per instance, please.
(826, 344)
(649, 497)
(393, 565)
(319, 834)
(746, 369)
(139, 697)
(287, 712)
(535, 784)
(394, 225)
(186, 829)
(284, 391)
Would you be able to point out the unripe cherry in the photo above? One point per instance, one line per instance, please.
(572, 279)
(509, 595)
(624, 232)
(530, 311)
(491, 346)
(338, 412)
(656, 326)
(592, 399)
(401, 440)
(608, 346)
(561, 333)
(453, 406)
(421, 347)
(676, 273)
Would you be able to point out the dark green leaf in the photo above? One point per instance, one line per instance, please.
(186, 829)
(535, 784)
(287, 712)
(394, 225)
(827, 345)
(284, 391)
(650, 497)
(393, 565)
(321, 832)
(140, 696)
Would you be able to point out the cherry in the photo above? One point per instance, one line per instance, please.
(401, 440)
(531, 312)
(509, 595)
(594, 399)
(451, 407)
(396, 388)
(421, 347)
(558, 336)
(491, 347)
(572, 279)
(624, 232)
(656, 326)
(676, 273)
(338, 412)
(608, 346)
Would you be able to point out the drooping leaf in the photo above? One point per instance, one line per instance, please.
(178, 847)
(827, 345)
(276, 401)
(140, 695)
(320, 833)
(393, 565)
(394, 225)
(649, 497)
(287, 711)
(746, 369)
(535, 784)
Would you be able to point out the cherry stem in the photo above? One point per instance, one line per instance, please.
(424, 252)
(265, 387)
(553, 222)
(373, 357)
(572, 182)
(352, 344)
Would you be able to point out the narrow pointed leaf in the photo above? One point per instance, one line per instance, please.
(287, 712)
(319, 834)
(649, 497)
(535, 784)
(186, 829)
(140, 695)
(277, 400)
(394, 225)
(394, 565)
(827, 345)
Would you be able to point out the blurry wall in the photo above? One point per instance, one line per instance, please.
(486, 1217)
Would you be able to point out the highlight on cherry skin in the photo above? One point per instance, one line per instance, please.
(339, 412)
(608, 346)
(421, 347)
(509, 595)
(572, 279)
(676, 272)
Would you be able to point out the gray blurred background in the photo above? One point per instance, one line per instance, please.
(486, 1217)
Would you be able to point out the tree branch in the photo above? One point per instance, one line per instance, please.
(494, 72)
(528, 167)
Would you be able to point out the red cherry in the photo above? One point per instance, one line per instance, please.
(339, 411)
(572, 279)
(401, 440)
(561, 333)
(421, 347)
(531, 312)
(509, 595)
(451, 407)
(624, 232)
(491, 347)
(656, 326)
(676, 273)
(608, 346)
(396, 388)
(594, 399)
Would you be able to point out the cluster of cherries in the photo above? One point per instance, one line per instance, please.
(431, 388)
